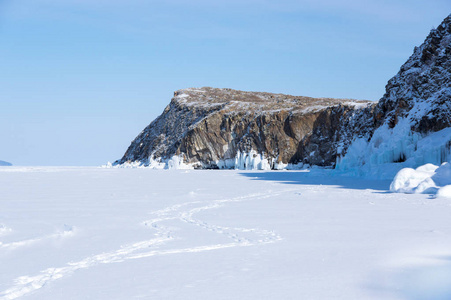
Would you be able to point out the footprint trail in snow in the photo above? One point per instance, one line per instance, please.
(185, 213)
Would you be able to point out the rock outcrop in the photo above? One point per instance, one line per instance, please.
(421, 90)
(225, 128)
(413, 118)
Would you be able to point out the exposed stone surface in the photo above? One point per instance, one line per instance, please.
(421, 91)
(333, 131)
(209, 125)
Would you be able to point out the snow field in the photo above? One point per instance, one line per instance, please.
(183, 234)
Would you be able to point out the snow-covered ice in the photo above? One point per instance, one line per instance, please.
(112, 233)
(390, 150)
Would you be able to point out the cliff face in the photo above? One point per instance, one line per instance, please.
(224, 128)
(422, 88)
(412, 120)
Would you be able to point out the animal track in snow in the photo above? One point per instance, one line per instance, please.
(264, 236)
(183, 212)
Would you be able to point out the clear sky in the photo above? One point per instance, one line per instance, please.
(81, 78)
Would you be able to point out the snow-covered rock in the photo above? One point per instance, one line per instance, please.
(412, 120)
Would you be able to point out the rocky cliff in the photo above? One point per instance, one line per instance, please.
(225, 128)
(412, 120)
(421, 89)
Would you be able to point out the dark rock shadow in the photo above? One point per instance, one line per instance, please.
(319, 177)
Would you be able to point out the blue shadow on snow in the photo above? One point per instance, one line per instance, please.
(317, 177)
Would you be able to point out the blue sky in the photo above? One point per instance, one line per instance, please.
(81, 78)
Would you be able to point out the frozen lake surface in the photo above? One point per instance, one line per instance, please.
(94, 233)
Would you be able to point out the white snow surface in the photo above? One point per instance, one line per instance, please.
(427, 179)
(111, 233)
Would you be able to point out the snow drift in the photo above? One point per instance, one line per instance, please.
(427, 179)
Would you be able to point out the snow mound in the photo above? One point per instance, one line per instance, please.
(426, 179)
(444, 191)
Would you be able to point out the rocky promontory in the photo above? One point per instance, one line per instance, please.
(225, 128)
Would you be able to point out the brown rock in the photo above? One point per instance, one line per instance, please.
(209, 125)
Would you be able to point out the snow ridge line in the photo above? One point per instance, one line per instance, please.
(27, 284)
